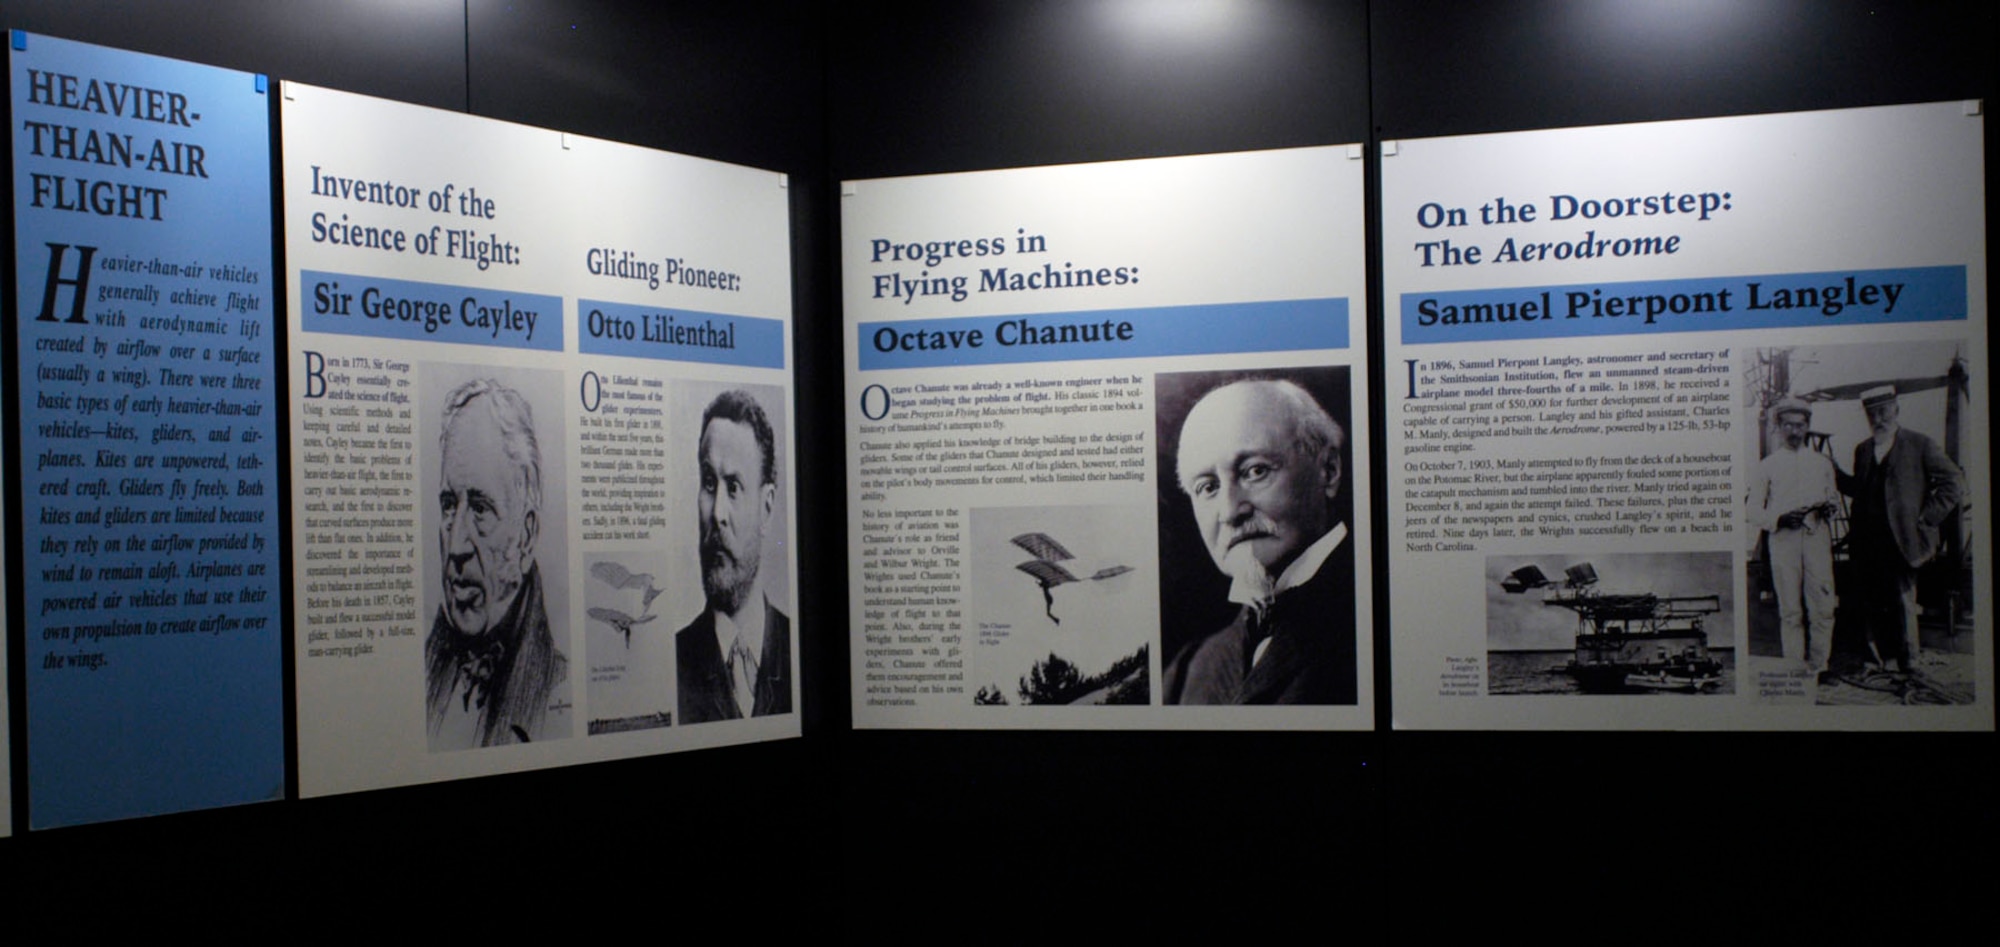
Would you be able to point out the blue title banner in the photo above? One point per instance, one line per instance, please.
(348, 304)
(679, 335)
(149, 474)
(1705, 304)
(1152, 332)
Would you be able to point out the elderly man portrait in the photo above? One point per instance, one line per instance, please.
(491, 660)
(1793, 495)
(735, 659)
(1260, 462)
(1904, 488)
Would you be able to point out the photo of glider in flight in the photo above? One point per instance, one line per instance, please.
(619, 577)
(1048, 571)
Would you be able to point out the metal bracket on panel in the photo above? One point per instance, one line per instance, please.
(1389, 148)
(784, 182)
(847, 189)
(288, 90)
(565, 140)
(1353, 152)
(1974, 106)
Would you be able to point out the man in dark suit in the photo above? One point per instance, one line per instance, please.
(1904, 487)
(1261, 464)
(493, 674)
(735, 659)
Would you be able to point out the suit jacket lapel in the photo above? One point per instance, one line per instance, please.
(772, 664)
(1283, 662)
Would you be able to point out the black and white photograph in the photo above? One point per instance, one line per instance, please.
(494, 495)
(733, 655)
(1614, 623)
(628, 641)
(1059, 606)
(1256, 551)
(1860, 584)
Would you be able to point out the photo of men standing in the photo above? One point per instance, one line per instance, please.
(1892, 421)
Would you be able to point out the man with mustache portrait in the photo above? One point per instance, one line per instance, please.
(492, 668)
(735, 659)
(1260, 462)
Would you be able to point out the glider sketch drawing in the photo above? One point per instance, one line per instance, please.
(619, 577)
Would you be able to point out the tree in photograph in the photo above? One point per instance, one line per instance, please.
(1050, 682)
(1128, 679)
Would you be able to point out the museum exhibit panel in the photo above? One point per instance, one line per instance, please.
(547, 468)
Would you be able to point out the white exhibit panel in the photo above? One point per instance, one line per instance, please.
(1687, 424)
(541, 446)
(1106, 445)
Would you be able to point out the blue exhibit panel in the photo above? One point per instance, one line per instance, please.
(148, 449)
(382, 308)
(1151, 332)
(682, 335)
(1706, 304)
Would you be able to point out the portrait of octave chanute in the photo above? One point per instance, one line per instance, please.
(1257, 564)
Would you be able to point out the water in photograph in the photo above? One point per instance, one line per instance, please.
(1527, 672)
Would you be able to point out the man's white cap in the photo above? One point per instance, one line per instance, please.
(1791, 405)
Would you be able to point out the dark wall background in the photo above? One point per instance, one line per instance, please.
(1023, 835)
